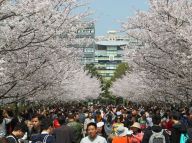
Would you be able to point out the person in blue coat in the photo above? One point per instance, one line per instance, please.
(47, 130)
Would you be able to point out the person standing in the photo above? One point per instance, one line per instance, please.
(123, 135)
(137, 135)
(64, 134)
(92, 135)
(47, 130)
(2, 125)
(108, 126)
(36, 122)
(4, 122)
(142, 120)
(155, 132)
(117, 123)
(88, 120)
(100, 129)
(18, 132)
(177, 129)
(76, 126)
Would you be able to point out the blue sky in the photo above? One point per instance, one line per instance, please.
(109, 13)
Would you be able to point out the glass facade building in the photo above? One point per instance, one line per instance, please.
(105, 54)
(108, 54)
(88, 50)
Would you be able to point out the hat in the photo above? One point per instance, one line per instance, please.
(122, 131)
(118, 113)
(100, 124)
(136, 125)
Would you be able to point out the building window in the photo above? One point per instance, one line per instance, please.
(100, 47)
(88, 50)
(111, 58)
(112, 48)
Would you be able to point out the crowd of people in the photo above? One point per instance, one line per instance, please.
(96, 124)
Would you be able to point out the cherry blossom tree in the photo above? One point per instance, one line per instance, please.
(131, 86)
(37, 45)
(83, 87)
(78, 87)
(165, 55)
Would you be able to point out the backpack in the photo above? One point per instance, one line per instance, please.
(184, 138)
(44, 140)
(157, 137)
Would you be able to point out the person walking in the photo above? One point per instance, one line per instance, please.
(64, 134)
(47, 130)
(156, 132)
(18, 132)
(123, 135)
(177, 129)
(92, 135)
(76, 126)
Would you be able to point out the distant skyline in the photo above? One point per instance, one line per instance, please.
(109, 13)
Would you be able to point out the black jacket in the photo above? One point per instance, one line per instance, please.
(157, 129)
(64, 134)
(43, 138)
(32, 133)
(176, 132)
(12, 139)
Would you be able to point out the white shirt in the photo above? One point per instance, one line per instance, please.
(149, 121)
(98, 139)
